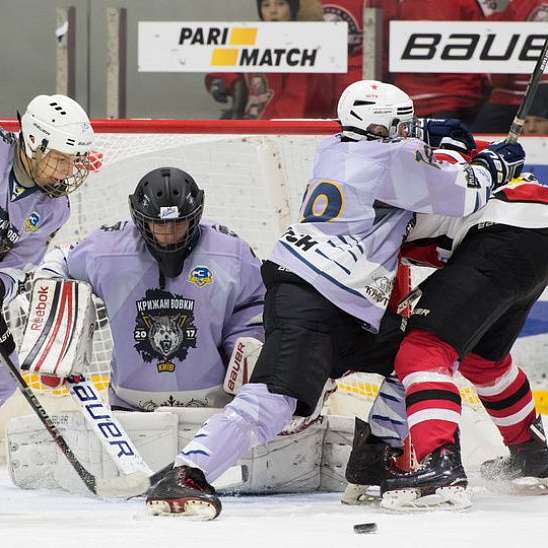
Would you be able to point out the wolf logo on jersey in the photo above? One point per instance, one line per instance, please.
(164, 328)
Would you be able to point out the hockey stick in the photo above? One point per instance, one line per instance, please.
(124, 486)
(517, 125)
(107, 428)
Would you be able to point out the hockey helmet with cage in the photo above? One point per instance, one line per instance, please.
(57, 123)
(168, 196)
(369, 103)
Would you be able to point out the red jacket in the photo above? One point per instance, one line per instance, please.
(350, 11)
(284, 95)
(508, 89)
(442, 92)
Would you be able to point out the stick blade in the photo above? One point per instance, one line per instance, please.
(132, 485)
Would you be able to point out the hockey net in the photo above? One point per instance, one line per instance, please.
(253, 174)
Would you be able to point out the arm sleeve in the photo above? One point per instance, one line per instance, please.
(416, 181)
(67, 261)
(246, 319)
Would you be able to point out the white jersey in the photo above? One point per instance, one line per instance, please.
(357, 209)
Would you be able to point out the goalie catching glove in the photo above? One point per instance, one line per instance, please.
(57, 342)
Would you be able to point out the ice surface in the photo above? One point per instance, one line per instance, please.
(54, 519)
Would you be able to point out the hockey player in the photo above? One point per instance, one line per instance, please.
(471, 311)
(178, 294)
(39, 167)
(330, 275)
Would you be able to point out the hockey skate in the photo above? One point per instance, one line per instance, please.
(370, 463)
(184, 491)
(525, 471)
(440, 482)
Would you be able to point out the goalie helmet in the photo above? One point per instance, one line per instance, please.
(369, 102)
(56, 123)
(166, 208)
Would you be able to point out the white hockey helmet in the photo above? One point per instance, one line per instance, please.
(56, 123)
(368, 102)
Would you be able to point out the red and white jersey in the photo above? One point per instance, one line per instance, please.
(521, 203)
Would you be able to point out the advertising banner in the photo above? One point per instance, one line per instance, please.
(463, 46)
(242, 47)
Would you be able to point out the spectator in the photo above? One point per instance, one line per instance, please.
(536, 122)
(351, 12)
(276, 95)
(507, 90)
(444, 95)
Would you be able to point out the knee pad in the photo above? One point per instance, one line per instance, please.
(423, 351)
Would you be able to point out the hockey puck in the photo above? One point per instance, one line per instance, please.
(363, 528)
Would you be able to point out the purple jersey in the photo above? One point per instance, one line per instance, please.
(28, 218)
(172, 336)
(357, 209)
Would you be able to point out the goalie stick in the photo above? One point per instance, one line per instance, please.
(133, 484)
(517, 124)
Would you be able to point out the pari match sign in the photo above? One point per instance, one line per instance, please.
(242, 47)
(478, 47)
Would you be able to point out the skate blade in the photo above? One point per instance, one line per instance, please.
(194, 509)
(355, 495)
(411, 500)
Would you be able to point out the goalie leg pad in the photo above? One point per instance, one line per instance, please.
(34, 460)
(288, 464)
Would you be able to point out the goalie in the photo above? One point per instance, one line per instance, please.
(178, 293)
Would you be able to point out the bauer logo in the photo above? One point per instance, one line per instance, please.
(465, 47)
(243, 47)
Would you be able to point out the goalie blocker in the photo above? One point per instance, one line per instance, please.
(58, 336)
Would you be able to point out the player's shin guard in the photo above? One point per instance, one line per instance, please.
(504, 390)
(424, 365)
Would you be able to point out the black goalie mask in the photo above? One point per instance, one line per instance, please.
(166, 208)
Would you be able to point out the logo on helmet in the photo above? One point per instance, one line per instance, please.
(200, 276)
(169, 212)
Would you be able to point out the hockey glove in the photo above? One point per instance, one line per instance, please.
(6, 339)
(503, 160)
(448, 134)
(218, 90)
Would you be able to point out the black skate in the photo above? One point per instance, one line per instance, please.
(439, 482)
(525, 471)
(184, 491)
(370, 462)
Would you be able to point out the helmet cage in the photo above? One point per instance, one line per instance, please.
(42, 161)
